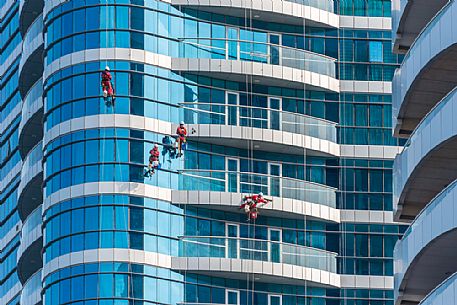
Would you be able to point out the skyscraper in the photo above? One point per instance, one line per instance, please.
(424, 107)
(288, 98)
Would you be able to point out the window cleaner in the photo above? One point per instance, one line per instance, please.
(107, 87)
(251, 205)
(153, 161)
(181, 132)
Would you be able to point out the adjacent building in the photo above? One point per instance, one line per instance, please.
(424, 104)
(289, 98)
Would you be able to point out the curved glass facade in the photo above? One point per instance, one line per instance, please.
(112, 236)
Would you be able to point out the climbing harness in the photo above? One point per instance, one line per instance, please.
(109, 93)
(154, 163)
(107, 87)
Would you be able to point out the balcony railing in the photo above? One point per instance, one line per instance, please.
(31, 291)
(401, 173)
(248, 183)
(418, 49)
(257, 249)
(34, 94)
(34, 30)
(32, 222)
(259, 117)
(34, 156)
(262, 52)
(443, 294)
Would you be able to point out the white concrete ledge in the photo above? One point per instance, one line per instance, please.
(284, 207)
(213, 132)
(273, 75)
(284, 12)
(265, 271)
(223, 200)
(368, 23)
(237, 69)
(276, 140)
(276, 271)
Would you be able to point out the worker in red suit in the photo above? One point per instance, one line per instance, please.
(154, 155)
(181, 132)
(107, 87)
(251, 204)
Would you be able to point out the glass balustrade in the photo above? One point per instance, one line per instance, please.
(257, 249)
(31, 291)
(443, 294)
(421, 140)
(34, 156)
(259, 117)
(33, 221)
(32, 101)
(249, 183)
(34, 30)
(262, 52)
(422, 46)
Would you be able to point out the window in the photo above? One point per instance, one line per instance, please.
(375, 51)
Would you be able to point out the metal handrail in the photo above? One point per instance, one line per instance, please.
(257, 240)
(184, 171)
(435, 199)
(426, 27)
(437, 288)
(256, 108)
(183, 39)
(433, 111)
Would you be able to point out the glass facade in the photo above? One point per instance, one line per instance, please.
(289, 141)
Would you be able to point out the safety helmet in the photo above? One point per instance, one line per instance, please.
(107, 68)
(181, 123)
(156, 145)
(261, 194)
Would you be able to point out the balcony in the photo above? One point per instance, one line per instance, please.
(428, 162)
(409, 17)
(29, 259)
(268, 261)
(269, 184)
(31, 291)
(260, 62)
(29, 10)
(443, 294)
(30, 192)
(223, 190)
(428, 72)
(268, 129)
(426, 255)
(31, 63)
(293, 12)
(31, 125)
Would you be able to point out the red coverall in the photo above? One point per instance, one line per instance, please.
(106, 83)
(255, 200)
(181, 131)
(154, 155)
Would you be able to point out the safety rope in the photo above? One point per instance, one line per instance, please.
(304, 151)
(250, 146)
